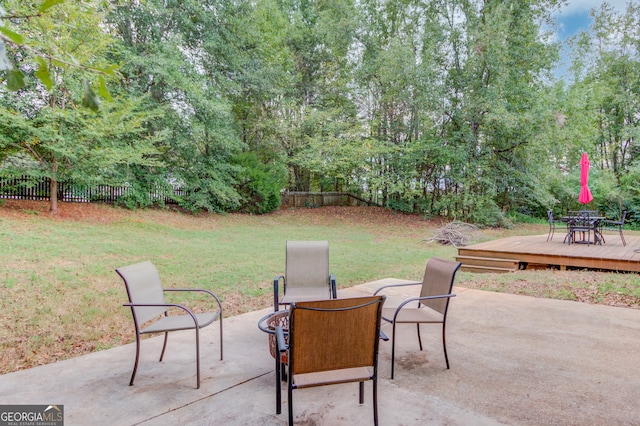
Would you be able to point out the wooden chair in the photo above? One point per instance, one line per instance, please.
(307, 274)
(149, 309)
(431, 305)
(331, 342)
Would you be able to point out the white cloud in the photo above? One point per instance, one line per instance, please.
(581, 6)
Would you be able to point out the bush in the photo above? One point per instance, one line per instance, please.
(259, 184)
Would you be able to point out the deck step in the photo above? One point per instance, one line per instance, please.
(487, 269)
(488, 263)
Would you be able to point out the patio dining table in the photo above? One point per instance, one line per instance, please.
(583, 224)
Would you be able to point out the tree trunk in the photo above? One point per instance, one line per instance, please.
(53, 196)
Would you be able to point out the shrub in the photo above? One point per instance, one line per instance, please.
(259, 184)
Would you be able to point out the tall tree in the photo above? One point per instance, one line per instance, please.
(170, 54)
(54, 132)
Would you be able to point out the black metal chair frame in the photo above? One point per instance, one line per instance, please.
(615, 225)
(587, 223)
(552, 224)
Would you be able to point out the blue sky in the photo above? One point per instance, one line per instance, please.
(575, 16)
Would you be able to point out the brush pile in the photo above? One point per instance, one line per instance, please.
(457, 234)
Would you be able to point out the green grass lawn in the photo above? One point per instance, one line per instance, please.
(61, 297)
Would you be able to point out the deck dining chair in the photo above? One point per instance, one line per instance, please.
(307, 274)
(151, 312)
(331, 342)
(581, 225)
(430, 307)
(553, 224)
(615, 225)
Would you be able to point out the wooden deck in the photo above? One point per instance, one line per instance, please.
(534, 252)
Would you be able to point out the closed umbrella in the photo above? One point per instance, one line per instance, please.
(585, 196)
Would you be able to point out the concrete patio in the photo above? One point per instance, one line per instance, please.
(515, 360)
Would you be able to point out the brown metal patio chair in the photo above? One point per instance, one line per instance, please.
(307, 274)
(151, 311)
(331, 342)
(430, 307)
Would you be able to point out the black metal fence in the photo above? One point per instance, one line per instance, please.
(29, 188)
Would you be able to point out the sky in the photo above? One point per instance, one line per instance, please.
(575, 16)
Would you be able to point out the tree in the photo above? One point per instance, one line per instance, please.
(54, 133)
(169, 53)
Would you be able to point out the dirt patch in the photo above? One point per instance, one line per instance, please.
(103, 213)
(66, 211)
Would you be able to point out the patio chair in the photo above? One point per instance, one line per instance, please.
(331, 342)
(307, 274)
(553, 224)
(615, 225)
(150, 310)
(430, 307)
(581, 224)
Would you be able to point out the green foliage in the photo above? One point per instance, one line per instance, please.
(443, 108)
(75, 143)
(178, 67)
(259, 184)
(64, 39)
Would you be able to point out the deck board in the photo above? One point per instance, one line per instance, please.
(535, 252)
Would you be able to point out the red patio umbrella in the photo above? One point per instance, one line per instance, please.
(585, 196)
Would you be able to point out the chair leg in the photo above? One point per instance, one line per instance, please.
(278, 384)
(444, 346)
(198, 357)
(135, 364)
(419, 339)
(164, 345)
(290, 402)
(375, 400)
(393, 348)
(220, 335)
(361, 386)
(624, 243)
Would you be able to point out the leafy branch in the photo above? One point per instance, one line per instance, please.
(14, 76)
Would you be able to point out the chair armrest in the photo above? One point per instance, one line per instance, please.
(282, 346)
(165, 305)
(197, 290)
(276, 297)
(418, 299)
(395, 285)
(332, 284)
